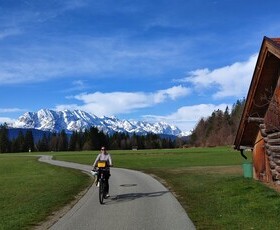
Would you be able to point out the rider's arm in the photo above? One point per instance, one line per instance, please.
(96, 160)
(110, 161)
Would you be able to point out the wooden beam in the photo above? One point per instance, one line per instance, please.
(256, 119)
(274, 135)
(275, 141)
(275, 149)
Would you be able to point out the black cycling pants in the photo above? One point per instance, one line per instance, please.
(107, 175)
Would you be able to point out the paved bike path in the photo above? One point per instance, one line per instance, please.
(137, 201)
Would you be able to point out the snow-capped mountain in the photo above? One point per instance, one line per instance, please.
(77, 120)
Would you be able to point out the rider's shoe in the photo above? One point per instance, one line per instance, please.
(94, 173)
(107, 196)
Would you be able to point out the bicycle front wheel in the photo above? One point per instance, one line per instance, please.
(101, 191)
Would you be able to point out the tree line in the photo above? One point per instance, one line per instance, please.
(218, 129)
(90, 139)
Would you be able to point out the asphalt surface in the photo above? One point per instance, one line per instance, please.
(137, 201)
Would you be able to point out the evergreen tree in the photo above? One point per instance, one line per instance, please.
(73, 142)
(42, 144)
(20, 142)
(4, 139)
(53, 142)
(28, 141)
(62, 141)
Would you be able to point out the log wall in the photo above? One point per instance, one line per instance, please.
(269, 130)
(272, 158)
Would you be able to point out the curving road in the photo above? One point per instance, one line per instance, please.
(137, 201)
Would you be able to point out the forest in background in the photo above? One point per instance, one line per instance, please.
(219, 129)
(89, 139)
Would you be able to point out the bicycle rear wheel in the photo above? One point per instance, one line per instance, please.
(101, 191)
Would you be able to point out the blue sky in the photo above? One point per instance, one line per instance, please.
(173, 61)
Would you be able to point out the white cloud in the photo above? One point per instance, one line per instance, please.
(6, 120)
(231, 81)
(10, 110)
(174, 92)
(186, 117)
(114, 103)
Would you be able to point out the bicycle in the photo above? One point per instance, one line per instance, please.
(102, 170)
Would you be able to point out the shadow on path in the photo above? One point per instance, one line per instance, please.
(133, 196)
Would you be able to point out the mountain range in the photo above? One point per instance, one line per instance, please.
(77, 120)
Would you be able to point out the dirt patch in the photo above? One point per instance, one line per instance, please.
(236, 169)
(272, 185)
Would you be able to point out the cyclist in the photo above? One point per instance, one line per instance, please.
(104, 156)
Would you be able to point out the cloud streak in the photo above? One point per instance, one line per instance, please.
(10, 110)
(91, 57)
(9, 32)
(114, 103)
(229, 81)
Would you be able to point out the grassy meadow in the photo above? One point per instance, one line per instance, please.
(30, 191)
(208, 182)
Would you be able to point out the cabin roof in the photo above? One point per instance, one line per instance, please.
(263, 84)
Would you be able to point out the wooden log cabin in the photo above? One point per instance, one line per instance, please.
(259, 127)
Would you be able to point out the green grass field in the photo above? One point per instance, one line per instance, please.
(30, 191)
(208, 182)
(162, 158)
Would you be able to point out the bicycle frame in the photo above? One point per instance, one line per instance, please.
(102, 184)
(102, 170)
